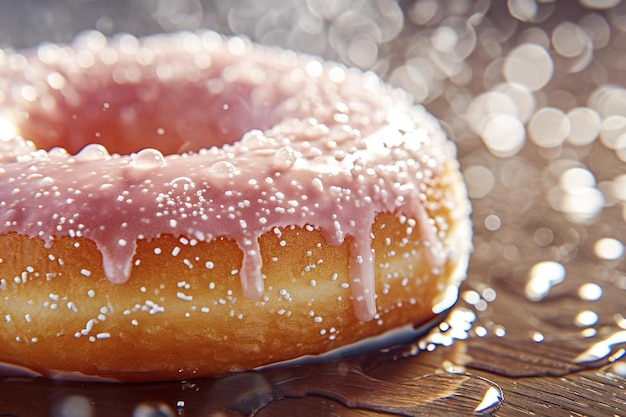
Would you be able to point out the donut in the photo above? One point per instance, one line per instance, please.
(190, 204)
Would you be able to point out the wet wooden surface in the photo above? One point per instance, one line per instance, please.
(542, 317)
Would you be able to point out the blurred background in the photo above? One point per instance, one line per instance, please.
(534, 94)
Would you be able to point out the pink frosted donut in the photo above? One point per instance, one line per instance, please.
(188, 205)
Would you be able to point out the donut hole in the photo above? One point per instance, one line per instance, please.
(176, 116)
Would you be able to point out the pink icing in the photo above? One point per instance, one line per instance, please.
(323, 145)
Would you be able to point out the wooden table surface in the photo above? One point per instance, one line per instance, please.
(534, 94)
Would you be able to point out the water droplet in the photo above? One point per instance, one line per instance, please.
(530, 65)
(471, 297)
(542, 277)
(524, 10)
(579, 198)
(492, 222)
(597, 28)
(493, 398)
(487, 105)
(255, 139)
(45, 181)
(544, 236)
(608, 248)
(363, 52)
(586, 318)
(93, 40)
(613, 132)
(585, 126)
(8, 129)
(223, 169)
(570, 40)
(237, 46)
(148, 159)
(590, 292)
(285, 157)
(575, 178)
(337, 74)
(29, 93)
(314, 68)
(537, 337)
(602, 348)
(93, 152)
(524, 100)
(504, 135)
(549, 127)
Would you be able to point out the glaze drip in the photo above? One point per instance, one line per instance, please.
(317, 152)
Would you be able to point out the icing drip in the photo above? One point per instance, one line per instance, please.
(317, 152)
(362, 275)
(251, 277)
